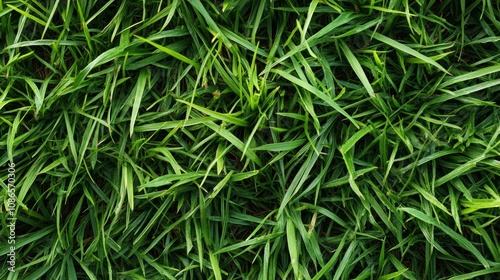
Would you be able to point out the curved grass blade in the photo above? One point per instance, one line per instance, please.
(223, 117)
(406, 49)
(357, 68)
(316, 92)
(462, 241)
(170, 52)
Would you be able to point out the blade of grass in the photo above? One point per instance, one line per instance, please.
(406, 49)
(353, 61)
(333, 260)
(223, 117)
(464, 243)
(170, 52)
(316, 92)
(138, 93)
(292, 247)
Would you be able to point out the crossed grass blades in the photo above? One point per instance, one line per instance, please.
(252, 139)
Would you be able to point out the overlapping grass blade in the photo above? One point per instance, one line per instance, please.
(395, 44)
(450, 232)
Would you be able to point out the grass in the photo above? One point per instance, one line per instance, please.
(257, 139)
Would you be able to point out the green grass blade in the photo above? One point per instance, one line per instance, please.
(406, 49)
(138, 93)
(223, 117)
(292, 247)
(464, 243)
(316, 92)
(170, 52)
(357, 68)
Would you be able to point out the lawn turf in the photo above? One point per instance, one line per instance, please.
(244, 139)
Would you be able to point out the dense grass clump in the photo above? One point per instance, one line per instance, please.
(239, 139)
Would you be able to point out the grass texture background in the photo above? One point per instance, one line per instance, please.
(237, 139)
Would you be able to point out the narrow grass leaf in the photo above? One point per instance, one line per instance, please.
(244, 175)
(138, 93)
(128, 184)
(471, 75)
(463, 242)
(211, 23)
(333, 260)
(215, 265)
(280, 147)
(406, 49)
(38, 95)
(170, 178)
(393, 275)
(251, 242)
(170, 52)
(11, 136)
(477, 204)
(349, 144)
(349, 161)
(250, 138)
(316, 92)
(458, 171)
(28, 15)
(104, 57)
(292, 247)
(476, 274)
(233, 140)
(431, 198)
(434, 58)
(357, 68)
(223, 117)
(342, 19)
(220, 185)
(344, 263)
